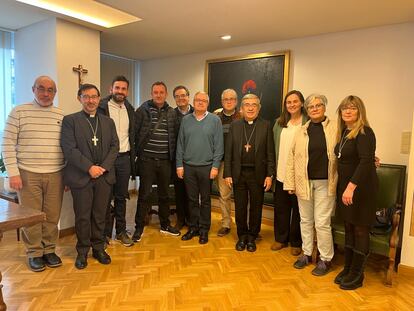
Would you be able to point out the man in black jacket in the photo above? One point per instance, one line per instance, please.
(90, 146)
(117, 107)
(156, 129)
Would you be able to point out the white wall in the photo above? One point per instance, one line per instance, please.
(35, 55)
(52, 47)
(75, 45)
(375, 64)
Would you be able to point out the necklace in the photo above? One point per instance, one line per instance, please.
(247, 146)
(342, 144)
(94, 138)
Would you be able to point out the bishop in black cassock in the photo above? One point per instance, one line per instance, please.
(90, 146)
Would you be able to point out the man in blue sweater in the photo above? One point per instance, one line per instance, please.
(199, 152)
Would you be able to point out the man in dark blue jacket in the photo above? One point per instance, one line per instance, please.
(156, 134)
(182, 100)
(117, 107)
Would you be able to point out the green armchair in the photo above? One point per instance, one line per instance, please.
(385, 240)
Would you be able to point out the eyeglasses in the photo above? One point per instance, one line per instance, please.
(352, 108)
(180, 96)
(250, 105)
(41, 89)
(198, 100)
(229, 99)
(87, 97)
(317, 106)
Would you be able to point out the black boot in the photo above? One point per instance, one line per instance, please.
(355, 276)
(348, 253)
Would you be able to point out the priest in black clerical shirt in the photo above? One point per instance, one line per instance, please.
(90, 146)
(249, 166)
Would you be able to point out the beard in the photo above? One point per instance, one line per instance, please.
(118, 98)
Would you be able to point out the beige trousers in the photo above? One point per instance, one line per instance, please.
(42, 192)
(225, 198)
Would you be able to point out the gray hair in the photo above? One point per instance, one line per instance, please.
(40, 78)
(204, 93)
(314, 96)
(251, 96)
(228, 91)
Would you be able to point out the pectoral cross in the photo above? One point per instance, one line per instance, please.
(247, 147)
(95, 140)
(81, 71)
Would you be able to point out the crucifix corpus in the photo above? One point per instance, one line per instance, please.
(81, 71)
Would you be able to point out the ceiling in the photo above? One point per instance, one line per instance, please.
(180, 27)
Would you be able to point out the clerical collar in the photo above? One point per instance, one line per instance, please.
(89, 115)
(229, 115)
(250, 122)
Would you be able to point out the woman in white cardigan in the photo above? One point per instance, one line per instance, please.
(311, 174)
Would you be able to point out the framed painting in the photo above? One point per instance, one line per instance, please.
(265, 74)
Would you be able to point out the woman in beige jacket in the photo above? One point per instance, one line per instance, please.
(311, 174)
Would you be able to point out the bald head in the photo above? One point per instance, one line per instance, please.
(44, 90)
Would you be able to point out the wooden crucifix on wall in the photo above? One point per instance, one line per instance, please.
(81, 71)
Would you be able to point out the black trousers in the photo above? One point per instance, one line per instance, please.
(120, 193)
(90, 205)
(140, 213)
(198, 185)
(181, 201)
(286, 217)
(159, 172)
(247, 190)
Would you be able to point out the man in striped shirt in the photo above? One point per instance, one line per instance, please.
(156, 134)
(34, 162)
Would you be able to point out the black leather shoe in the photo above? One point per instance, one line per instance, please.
(203, 238)
(36, 264)
(240, 245)
(102, 257)
(81, 262)
(189, 235)
(251, 246)
(52, 260)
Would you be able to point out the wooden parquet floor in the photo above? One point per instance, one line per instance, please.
(164, 273)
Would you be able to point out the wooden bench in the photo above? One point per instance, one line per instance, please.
(384, 240)
(12, 216)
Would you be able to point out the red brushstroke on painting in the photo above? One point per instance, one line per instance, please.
(248, 86)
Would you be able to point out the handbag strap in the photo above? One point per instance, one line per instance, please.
(161, 116)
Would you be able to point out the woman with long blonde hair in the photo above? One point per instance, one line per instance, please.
(357, 185)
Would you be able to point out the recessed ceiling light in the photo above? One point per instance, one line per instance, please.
(226, 37)
(89, 11)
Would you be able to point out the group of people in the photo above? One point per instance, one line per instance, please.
(311, 163)
(324, 167)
